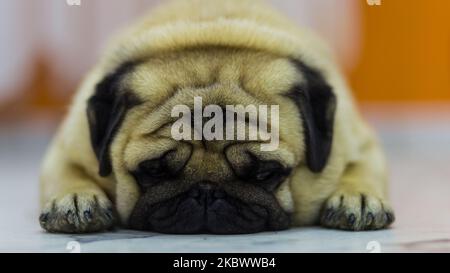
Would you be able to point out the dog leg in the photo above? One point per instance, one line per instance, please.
(360, 201)
(72, 201)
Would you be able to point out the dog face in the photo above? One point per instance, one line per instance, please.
(200, 186)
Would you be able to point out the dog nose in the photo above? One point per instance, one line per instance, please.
(206, 193)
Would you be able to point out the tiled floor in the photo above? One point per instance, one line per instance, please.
(419, 154)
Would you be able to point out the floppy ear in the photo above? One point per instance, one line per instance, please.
(105, 111)
(317, 104)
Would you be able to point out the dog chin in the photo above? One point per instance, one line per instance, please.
(204, 209)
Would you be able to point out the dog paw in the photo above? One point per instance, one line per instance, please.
(77, 213)
(356, 211)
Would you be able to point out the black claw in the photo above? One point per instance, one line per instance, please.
(389, 217)
(351, 219)
(341, 201)
(43, 218)
(87, 214)
(370, 219)
(109, 213)
(329, 215)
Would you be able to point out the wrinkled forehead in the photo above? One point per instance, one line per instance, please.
(219, 77)
(259, 74)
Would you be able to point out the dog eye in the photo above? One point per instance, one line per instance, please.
(154, 168)
(267, 170)
(268, 174)
(265, 175)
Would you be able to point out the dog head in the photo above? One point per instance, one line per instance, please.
(211, 186)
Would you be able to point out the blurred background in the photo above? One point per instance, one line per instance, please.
(396, 56)
(397, 52)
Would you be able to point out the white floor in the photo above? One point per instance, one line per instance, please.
(419, 154)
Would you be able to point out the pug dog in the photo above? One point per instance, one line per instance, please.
(115, 162)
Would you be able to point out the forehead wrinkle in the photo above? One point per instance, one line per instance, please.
(254, 71)
(210, 95)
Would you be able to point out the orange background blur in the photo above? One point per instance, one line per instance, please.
(406, 52)
(404, 56)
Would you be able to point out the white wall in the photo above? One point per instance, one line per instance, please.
(73, 35)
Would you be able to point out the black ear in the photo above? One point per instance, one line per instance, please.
(317, 104)
(106, 110)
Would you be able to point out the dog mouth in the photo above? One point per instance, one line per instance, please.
(206, 208)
